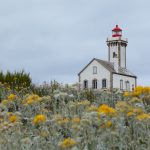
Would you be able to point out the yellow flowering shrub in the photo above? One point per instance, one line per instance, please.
(138, 91)
(105, 109)
(143, 117)
(31, 99)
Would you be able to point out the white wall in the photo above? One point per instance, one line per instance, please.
(102, 73)
(123, 57)
(117, 78)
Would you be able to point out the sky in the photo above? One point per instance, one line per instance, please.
(55, 39)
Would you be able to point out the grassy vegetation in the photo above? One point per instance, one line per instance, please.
(60, 117)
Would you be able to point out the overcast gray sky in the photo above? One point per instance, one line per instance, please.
(55, 39)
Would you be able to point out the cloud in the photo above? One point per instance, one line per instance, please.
(56, 38)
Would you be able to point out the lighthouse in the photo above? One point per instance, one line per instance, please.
(117, 48)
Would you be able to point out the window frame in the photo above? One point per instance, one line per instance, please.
(104, 83)
(127, 86)
(85, 84)
(94, 69)
(114, 55)
(121, 84)
(94, 84)
(133, 87)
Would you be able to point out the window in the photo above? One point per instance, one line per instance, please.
(121, 84)
(127, 86)
(85, 84)
(94, 84)
(132, 87)
(94, 70)
(104, 83)
(114, 55)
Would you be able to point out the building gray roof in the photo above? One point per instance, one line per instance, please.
(110, 67)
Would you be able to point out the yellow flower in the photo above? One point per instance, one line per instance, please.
(126, 94)
(134, 111)
(135, 93)
(11, 97)
(13, 118)
(143, 117)
(31, 99)
(139, 88)
(105, 109)
(76, 120)
(34, 97)
(67, 143)
(108, 124)
(39, 119)
(130, 114)
(146, 90)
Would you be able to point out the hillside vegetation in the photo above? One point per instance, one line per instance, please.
(57, 117)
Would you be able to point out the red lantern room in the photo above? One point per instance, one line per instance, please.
(116, 32)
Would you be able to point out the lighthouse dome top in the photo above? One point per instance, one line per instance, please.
(117, 28)
(117, 31)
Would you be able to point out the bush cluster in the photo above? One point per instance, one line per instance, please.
(16, 80)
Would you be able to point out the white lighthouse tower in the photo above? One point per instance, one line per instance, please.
(117, 48)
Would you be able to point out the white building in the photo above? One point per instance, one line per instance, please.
(111, 74)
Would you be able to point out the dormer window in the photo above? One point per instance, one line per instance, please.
(94, 70)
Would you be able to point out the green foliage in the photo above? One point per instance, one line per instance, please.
(45, 89)
(89, 95)
(16, 80)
